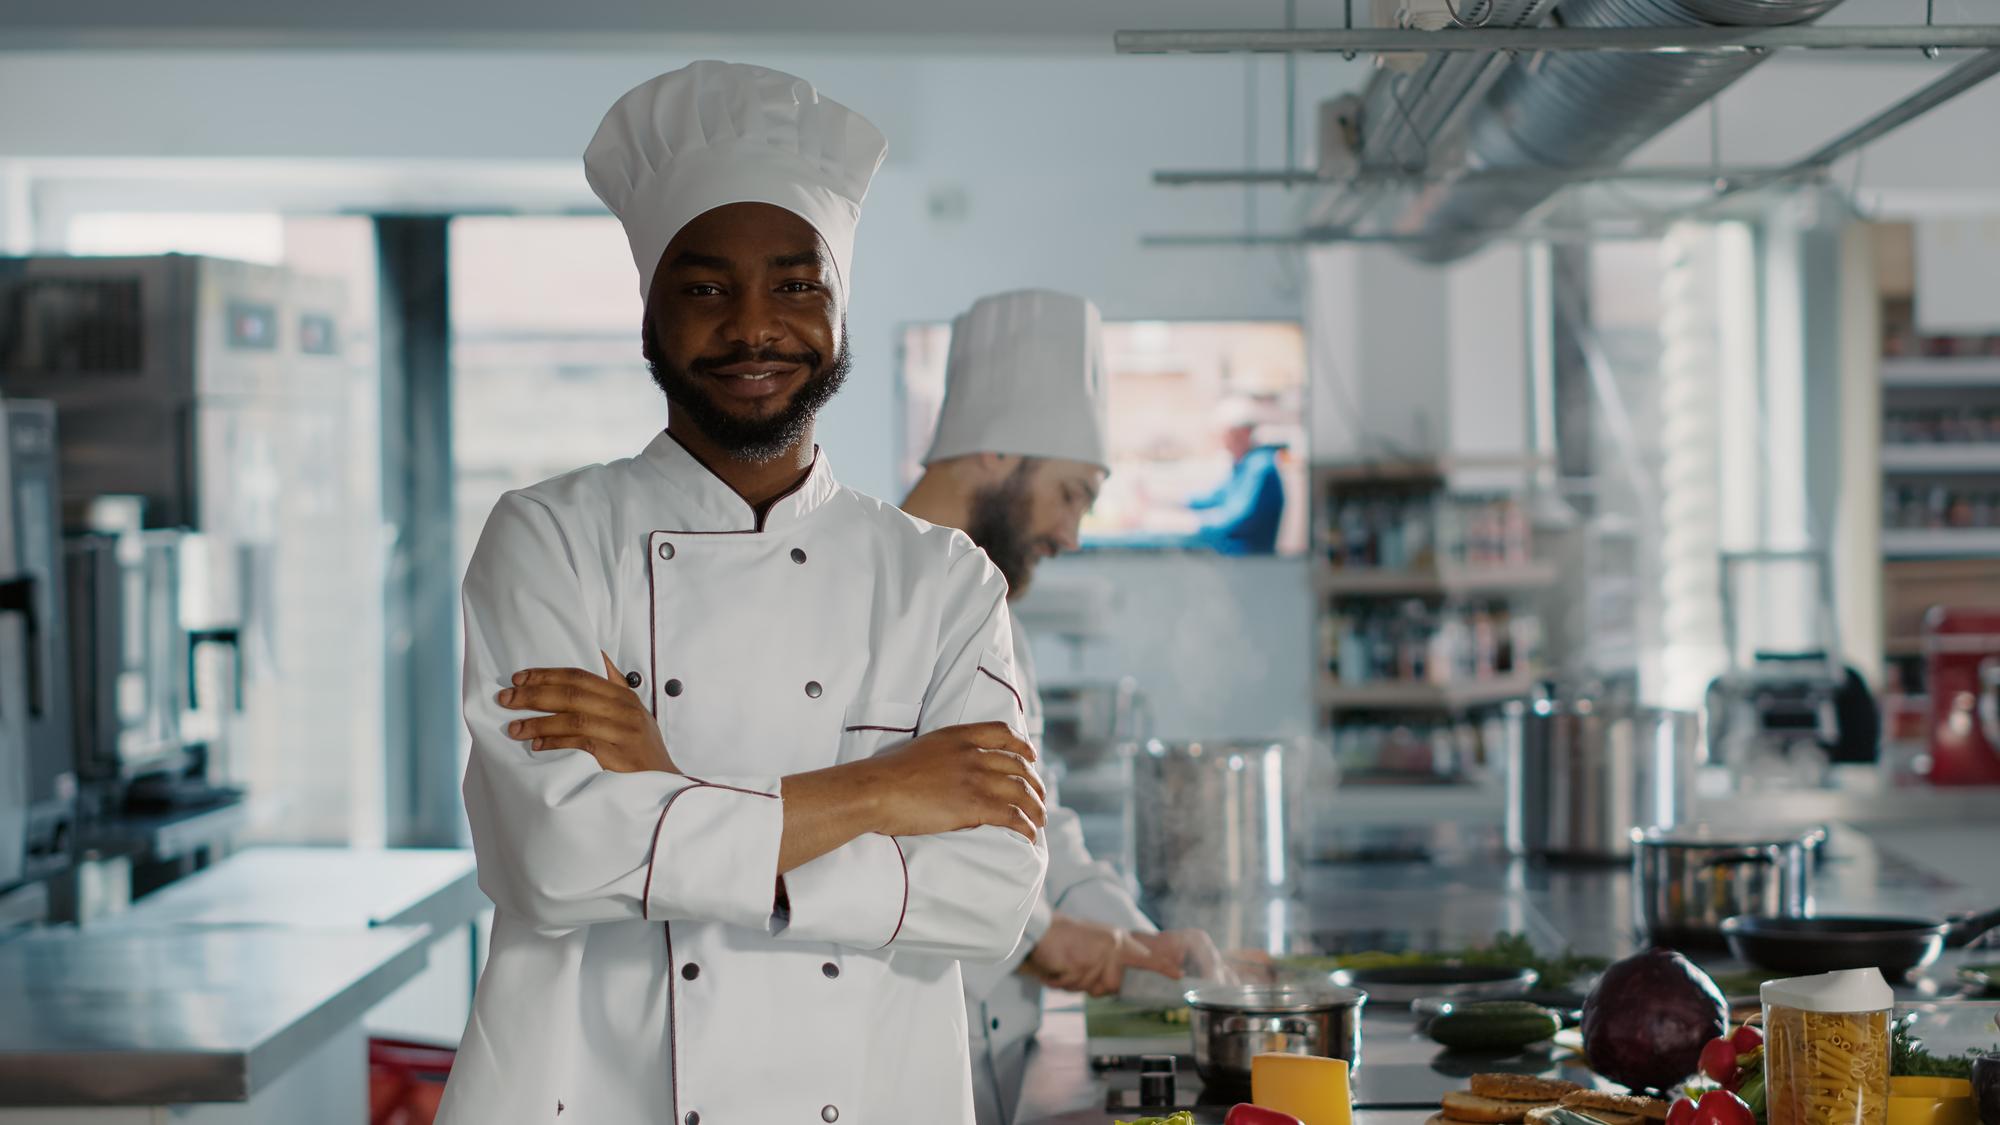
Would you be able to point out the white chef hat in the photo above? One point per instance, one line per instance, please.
(714, 133)
(1025, 376)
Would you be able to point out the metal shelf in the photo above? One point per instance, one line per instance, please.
(1942, 457)
(1451, 580)
(1941, 372)
(1944, 543)
(1392, 696)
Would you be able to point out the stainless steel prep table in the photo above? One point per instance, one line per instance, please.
(330, 887)
(265, 1021)
(333, 888)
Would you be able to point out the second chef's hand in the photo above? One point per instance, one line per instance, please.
(599, 715)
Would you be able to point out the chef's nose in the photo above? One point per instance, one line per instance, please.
(752, 321)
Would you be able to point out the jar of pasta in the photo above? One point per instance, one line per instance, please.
(1826, 1049)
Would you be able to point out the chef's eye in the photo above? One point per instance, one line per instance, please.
(798, 287)
(703, 289)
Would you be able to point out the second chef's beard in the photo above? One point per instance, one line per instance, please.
(1002, 515)
(753, 438)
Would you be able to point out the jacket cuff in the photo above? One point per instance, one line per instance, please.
(715, 855)
(856, 895)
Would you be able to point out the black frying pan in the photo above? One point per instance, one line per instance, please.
(1897, 946)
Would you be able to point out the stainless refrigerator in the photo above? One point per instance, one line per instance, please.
(218, 392)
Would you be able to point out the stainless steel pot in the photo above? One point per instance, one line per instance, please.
(1686, 881)
(1232, 1024)
(1582, 773)
(1215, 819)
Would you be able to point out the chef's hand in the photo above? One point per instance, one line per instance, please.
(1190, 951)
(1081, 956)
(957, 777)
(599, 715)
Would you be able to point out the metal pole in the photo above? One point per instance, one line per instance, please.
(1323, 235)
(1658, 174)
(1641, 40)
(1954, 82)
(1291, 90)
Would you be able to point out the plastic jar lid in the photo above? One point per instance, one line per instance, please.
(1850, 990)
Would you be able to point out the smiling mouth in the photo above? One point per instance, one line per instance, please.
(752, 380)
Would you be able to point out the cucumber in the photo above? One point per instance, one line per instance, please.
(1495, 1025)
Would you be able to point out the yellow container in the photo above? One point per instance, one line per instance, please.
(1826, 1049)
(1931, 1101)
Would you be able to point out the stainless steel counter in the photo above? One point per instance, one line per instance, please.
(1451, 904)
(322, 887)
(139, 1017)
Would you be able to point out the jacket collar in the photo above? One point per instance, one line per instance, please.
(712, 506)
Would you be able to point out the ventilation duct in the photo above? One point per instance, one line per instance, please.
(1547, 112)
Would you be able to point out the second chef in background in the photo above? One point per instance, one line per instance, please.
(1017, 462)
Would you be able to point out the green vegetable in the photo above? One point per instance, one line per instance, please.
(1495, 1025)
(1908, 1059)
(1752, 1092)
(1182, 1118)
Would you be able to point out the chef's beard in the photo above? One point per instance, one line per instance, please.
(750, 438)
(1001, 515)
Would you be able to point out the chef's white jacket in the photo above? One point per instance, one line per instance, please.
(1003, 1007)
(640, 971)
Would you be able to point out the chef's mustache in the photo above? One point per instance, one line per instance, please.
(707, 364)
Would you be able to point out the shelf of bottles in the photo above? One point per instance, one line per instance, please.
(1428, 610)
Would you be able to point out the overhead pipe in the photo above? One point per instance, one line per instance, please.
(1575, 110)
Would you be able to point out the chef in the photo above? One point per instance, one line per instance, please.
(745, 782)
(1018, 459)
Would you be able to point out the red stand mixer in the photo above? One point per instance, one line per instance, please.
(1962, 668)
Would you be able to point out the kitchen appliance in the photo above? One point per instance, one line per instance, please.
(1686, 881)
(153, 640)
(1779, 720)
(1897, 946)
(1584, 769)
(1962, 667)
(1215, 819)
(1232, 1023)
(217, 391)
(37, 782)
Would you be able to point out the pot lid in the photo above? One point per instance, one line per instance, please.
(1274, 998)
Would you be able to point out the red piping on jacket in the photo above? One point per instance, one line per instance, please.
(1010, 688)
(905, 913)
(646, 893)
